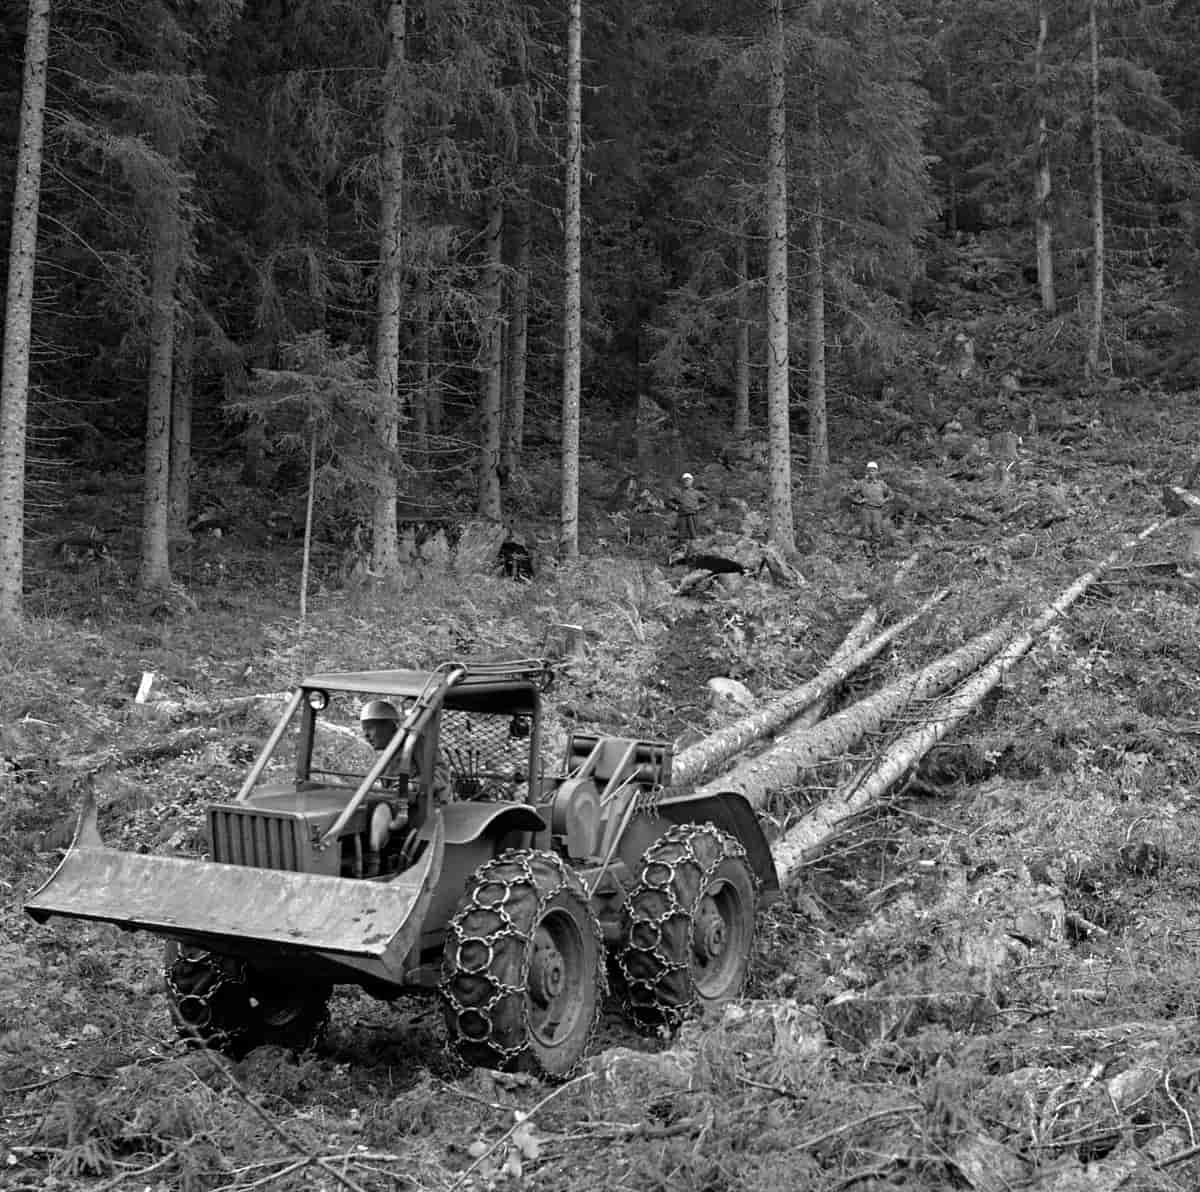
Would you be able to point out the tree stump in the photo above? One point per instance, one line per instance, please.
(1004, 449)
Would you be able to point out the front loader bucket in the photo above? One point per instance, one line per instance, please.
(359, 928)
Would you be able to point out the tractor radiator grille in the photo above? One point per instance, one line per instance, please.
(265, 841)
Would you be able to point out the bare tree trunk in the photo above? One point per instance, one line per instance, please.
(155, 572)
(385, 556)
(434, 406)
(706, 757)
(310, 501)
(818, 424)
(518, 341)
(18, 321)
(179, 482)
(490, 360)
(1042, 182)
(420, 409)
(572, 265)
(741, 343)
(1096, 330)
(779, 441)
(818, 427)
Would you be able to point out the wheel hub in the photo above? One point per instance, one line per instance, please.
(711, 935)
(547, 972)
(278, 1012)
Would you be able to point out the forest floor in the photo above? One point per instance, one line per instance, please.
(988, 982)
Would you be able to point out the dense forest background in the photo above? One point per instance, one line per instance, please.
(326, 240)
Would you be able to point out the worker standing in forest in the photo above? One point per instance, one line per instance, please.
(687, 501)
(871, 494)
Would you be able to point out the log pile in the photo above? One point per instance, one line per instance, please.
(715, 752)
(918, 710)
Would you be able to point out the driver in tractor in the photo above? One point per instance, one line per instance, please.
(380, 719)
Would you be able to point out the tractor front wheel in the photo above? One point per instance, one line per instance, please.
(218, 1001)
(523, 975)
(688, 926)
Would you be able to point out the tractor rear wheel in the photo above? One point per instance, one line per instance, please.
(523, 973)
(687, 926)
(220, 1002)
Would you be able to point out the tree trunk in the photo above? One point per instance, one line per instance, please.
(860, 633)
(310, 501)
(254, 444)
(490, 296)
(779, 441)
(741, 343)
(18, 321)
(434, 405)
(818, 429)
(780, 766)
(179, 482)
(1042, 182)
(422, 304)
(572, 231)
(852, 797)
(1096, 329)
(385, 556)
(706, 757)
(518, 341)
(155, 573)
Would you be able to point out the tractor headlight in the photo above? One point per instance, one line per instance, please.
(318, 700)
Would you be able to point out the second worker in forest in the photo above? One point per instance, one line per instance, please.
(871, 495)
(688, 501)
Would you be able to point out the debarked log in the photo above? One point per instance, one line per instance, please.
(860, 631)
(779, 766)
(707, 757)
(793, 849)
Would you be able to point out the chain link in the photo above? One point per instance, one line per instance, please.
(205, 1027)
(494, 999)
(649, 798)
(649, 961)
(200, 1017)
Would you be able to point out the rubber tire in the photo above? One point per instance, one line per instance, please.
(687, 927)
(523, 967)
(244, 1009)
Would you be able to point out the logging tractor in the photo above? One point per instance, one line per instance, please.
(443, 857)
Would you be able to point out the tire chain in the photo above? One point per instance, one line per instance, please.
(509, 1057)
(199, 1031)
(644, 968)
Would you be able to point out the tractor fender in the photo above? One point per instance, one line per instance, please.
(731, 812)
(467, 822)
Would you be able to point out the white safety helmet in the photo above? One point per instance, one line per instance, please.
(687, 476)
(872, 466)
(378, 709)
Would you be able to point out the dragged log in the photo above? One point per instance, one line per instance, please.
(860, 631)
(793, 849)
(706, 757)
(801, 748)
